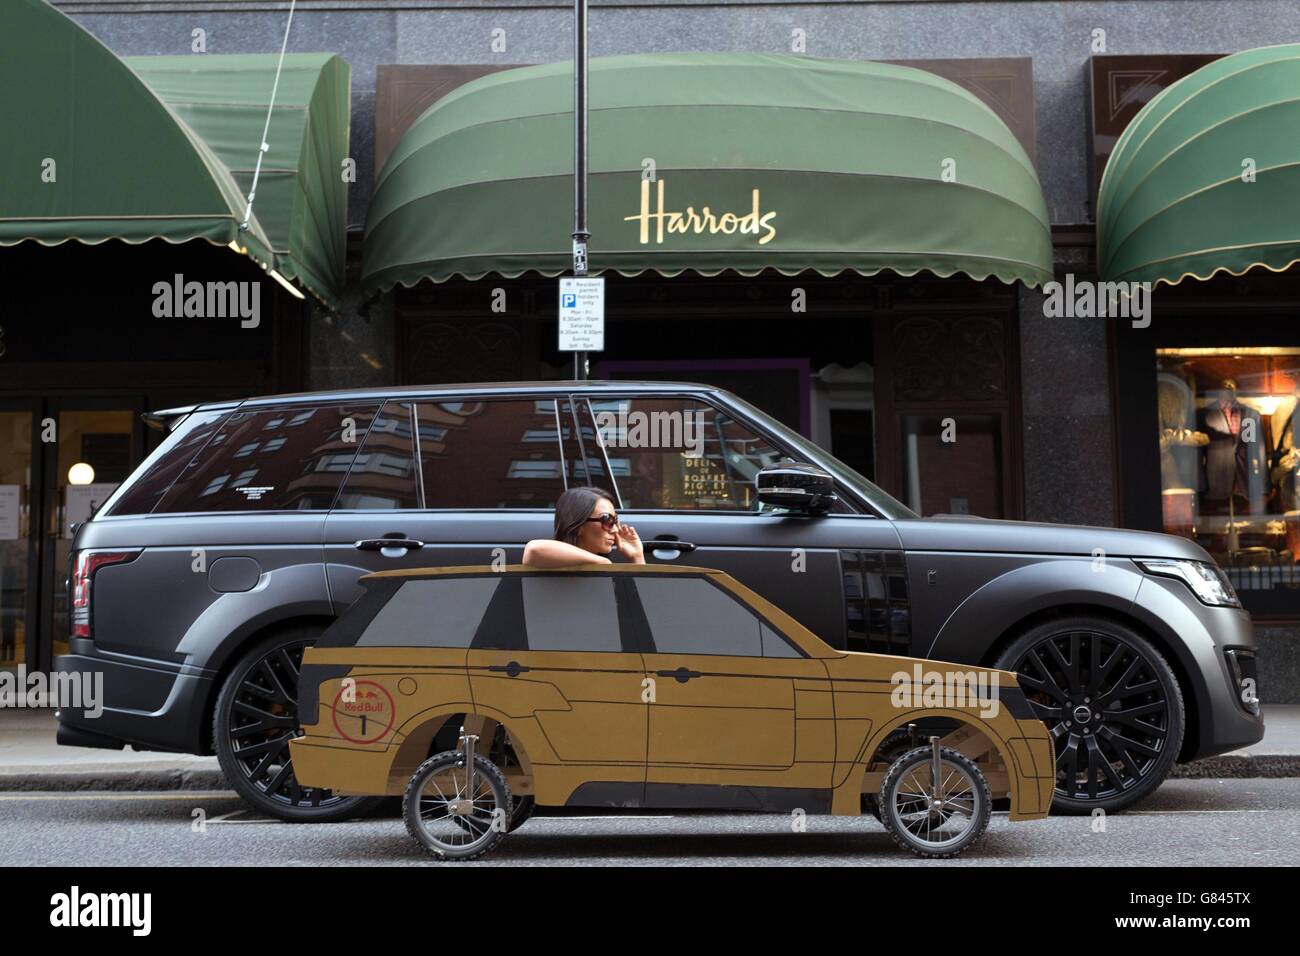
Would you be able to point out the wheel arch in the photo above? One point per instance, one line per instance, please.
(420, 741)
(871, 746)
(1194, 693)
(233, 648)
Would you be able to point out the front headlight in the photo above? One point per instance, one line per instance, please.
(1207, 581)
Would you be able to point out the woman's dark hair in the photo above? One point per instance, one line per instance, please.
(572, 510)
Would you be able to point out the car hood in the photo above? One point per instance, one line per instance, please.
(965, 533)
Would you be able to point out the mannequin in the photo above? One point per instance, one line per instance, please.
(1235, 460)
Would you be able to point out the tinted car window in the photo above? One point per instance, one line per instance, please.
(443, 612)
(680, 454)
(291, 458)
(384, 474)
(691, 616)
(493, 454)
(571, 613)
(171, 458)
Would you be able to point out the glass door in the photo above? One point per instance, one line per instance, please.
(88, 447)
(19, 500)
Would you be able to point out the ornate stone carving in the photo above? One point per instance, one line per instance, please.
(959, 358)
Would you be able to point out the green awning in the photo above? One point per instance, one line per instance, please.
(301, 200)
(1177, 199)
(94, 152)
(760, 161)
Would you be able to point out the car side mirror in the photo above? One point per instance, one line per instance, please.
(797, 486)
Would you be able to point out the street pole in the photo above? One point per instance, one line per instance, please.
(580, 233)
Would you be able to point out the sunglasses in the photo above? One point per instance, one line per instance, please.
(607, 521)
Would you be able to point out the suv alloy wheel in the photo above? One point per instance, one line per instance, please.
(1112, 704)
(256, 717)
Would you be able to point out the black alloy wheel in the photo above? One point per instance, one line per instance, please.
(256, 717)
(1112, 704)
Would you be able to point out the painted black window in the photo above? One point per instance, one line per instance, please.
(571, 613)
(384, 473)
(291, 458)
(689, 615)
(491, 454)
(438, 612)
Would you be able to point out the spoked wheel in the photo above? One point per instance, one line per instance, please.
(1112, 704)
(256, 717)
(935, 821)
(452, 818)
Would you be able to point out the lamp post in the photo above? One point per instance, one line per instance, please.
(580, 233)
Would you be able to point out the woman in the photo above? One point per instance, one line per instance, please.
(586, 529)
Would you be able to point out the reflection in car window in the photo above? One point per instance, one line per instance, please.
(571, 613)
(383, 475)
(438, 613)
(691, 616)
(490, 454)
(680, 454)
(272, 460)
(174, 456)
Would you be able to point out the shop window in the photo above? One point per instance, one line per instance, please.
(247, 468)
(1228, 458)
(680, 454)
(494, 454)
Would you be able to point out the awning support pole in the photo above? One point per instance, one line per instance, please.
(266, 130)
(580, 233)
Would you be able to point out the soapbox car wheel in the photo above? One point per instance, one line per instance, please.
(453, 816)
(891, 748)
(935, 802)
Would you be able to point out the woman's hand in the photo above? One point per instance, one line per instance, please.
(629, 544)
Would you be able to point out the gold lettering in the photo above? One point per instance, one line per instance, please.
(659, 231)
(751, 223)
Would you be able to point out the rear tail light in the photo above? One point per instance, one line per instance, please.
(84, 566)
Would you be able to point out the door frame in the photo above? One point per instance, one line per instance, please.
(45, 482)
(35, 511)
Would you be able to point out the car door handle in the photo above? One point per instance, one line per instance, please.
(512, 669)
(382, 544)
(670, 544)
(681, 675)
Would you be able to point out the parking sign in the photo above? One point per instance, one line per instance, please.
(582, 314)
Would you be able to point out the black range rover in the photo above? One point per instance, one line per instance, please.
(197, 586)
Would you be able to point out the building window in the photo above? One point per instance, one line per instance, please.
(1228, 459)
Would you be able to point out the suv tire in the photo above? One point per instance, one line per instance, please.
(1112, 703)
(255, 718)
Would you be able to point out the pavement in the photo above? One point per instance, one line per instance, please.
(1230, 825)
(30, 760)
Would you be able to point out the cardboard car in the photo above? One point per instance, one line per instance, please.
(480, 693)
